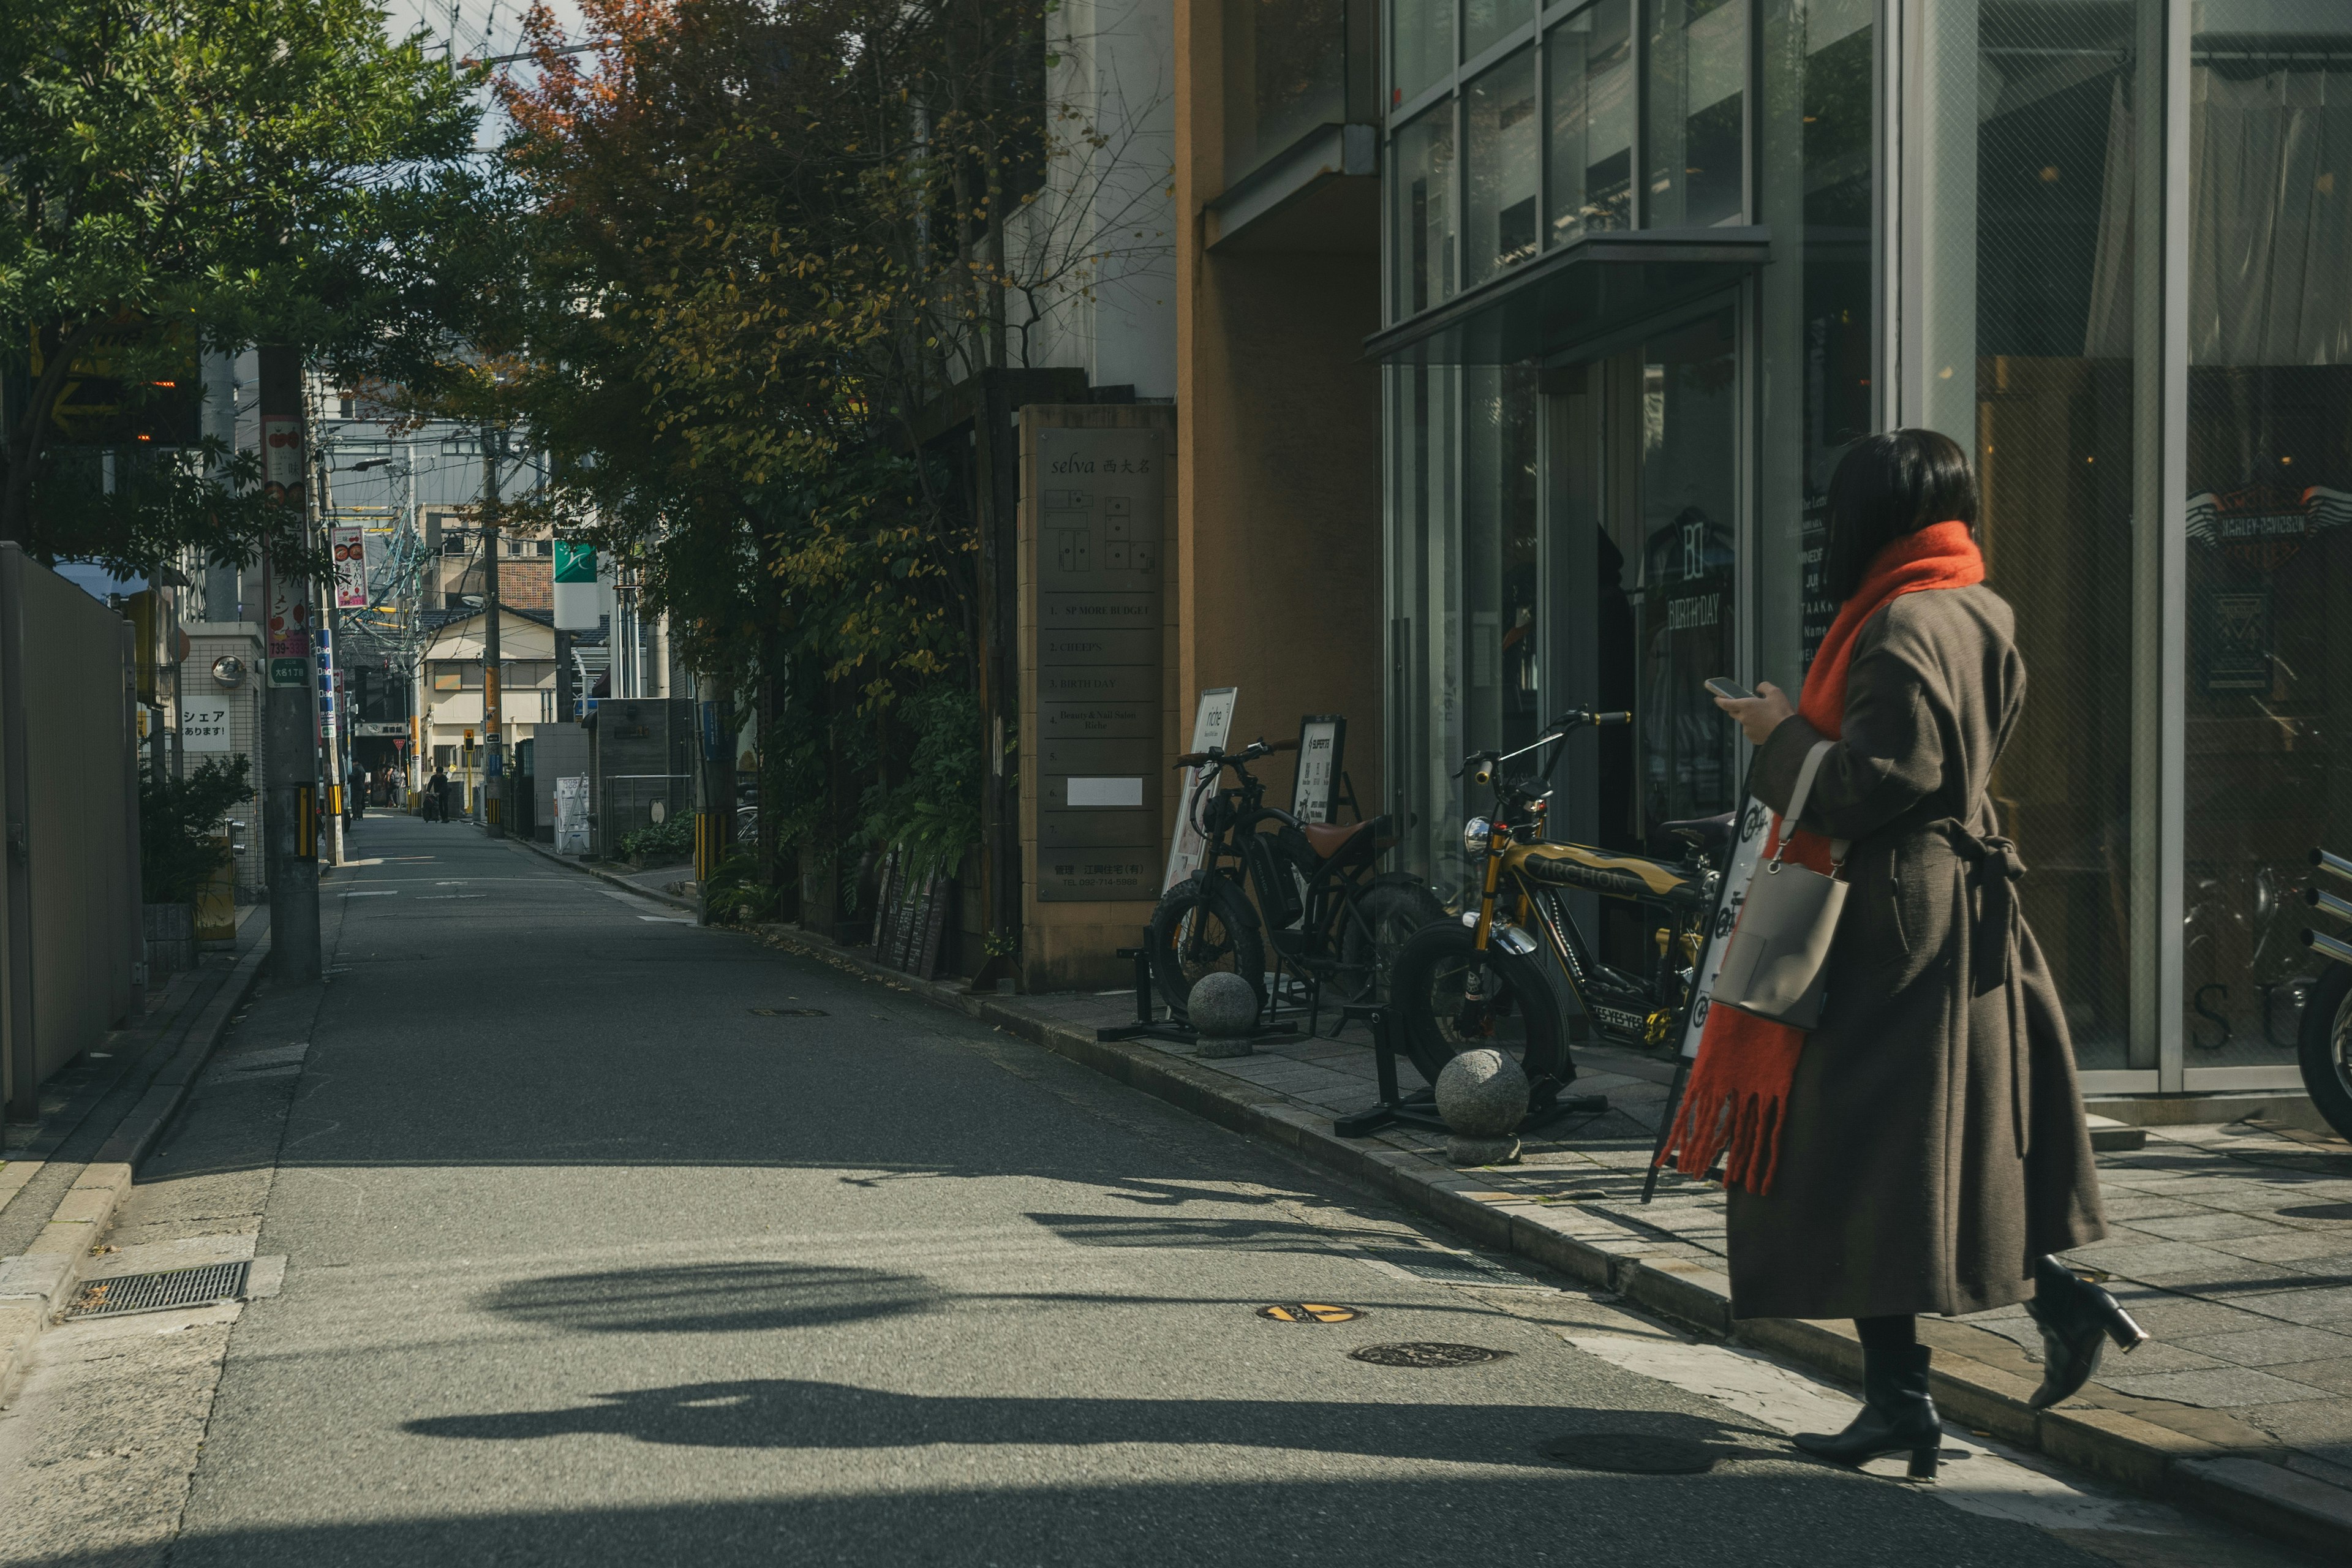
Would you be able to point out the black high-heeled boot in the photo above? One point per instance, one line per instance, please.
(2076, 1319)
(1896, 1414)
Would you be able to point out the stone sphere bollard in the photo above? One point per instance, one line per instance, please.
(1222, 1008)
(1482, 1096)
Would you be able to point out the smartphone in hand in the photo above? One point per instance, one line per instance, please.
(1723, 685)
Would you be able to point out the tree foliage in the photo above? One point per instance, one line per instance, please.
(180, 174)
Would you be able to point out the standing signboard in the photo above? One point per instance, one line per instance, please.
(1212, 720)
(1747, 851)
(1096, 561)
(1322, 741)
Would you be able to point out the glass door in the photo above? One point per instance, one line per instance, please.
(1644, 537)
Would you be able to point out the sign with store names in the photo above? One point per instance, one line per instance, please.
(1094, 538)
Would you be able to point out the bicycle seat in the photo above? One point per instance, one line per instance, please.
(1329, 838)
(1703, 831)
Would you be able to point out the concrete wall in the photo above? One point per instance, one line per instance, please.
(1278, 456)
(71, 935)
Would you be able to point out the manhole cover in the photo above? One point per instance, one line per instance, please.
(1426, 1353)
(161, 1292)
(1634, 1453)
(788, 1013)
(1308, 1313)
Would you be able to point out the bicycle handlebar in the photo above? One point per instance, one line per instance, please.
(1248, 753)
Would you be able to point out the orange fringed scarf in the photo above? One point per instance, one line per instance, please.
(1735, 1102)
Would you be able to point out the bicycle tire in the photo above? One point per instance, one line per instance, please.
(1522, 1018)
(1392, 914)
(1229, 940)
(2323, 1052)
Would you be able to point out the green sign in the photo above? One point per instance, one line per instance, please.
(289, 672)
(574, 563)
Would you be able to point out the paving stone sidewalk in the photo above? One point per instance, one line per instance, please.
(2231, 1244)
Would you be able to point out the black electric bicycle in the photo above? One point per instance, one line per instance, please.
(1503, 974)
(2325, 1052)
(1306, 889)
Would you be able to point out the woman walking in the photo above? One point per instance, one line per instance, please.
(1923, 1150)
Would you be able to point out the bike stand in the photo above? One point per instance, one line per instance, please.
(1420, 1108)
(1145, 1027)
(1173, 1028)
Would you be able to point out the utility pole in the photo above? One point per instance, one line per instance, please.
(291, 711)
(493, 741)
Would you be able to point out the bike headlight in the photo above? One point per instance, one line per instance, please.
(1474, 834)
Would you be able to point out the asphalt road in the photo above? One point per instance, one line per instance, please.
(610, 1239)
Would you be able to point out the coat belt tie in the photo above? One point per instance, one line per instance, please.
(1994, 869)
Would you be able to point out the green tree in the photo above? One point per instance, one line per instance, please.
(177, 175)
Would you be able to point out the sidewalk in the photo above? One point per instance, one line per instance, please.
(2231, 1244)
(62, 1177)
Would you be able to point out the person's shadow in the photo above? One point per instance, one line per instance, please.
(803, 1414)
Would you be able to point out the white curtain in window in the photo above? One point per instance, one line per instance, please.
(2270, 218)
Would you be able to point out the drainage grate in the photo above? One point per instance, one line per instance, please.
(1637, 1453)
(788, 1013)
(1426, 1353)
(160, 1292)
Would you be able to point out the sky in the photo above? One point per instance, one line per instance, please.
(484, 26)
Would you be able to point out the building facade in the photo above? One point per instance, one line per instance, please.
(1651, 266)
(1563, 314)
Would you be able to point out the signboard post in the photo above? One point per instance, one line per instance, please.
(1211, 718)
(576, 607)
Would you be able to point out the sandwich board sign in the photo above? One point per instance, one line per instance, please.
(1211, 722)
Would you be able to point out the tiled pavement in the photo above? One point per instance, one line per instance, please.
(2231, 1244)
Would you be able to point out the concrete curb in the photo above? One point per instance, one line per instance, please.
(36, 1285)
(604, 876)
(2234, 1483)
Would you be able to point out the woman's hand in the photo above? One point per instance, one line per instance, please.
(1759, 715)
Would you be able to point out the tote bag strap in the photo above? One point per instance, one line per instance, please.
(1796, 799)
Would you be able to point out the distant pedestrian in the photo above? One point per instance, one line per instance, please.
(355, 797)
(437, 795)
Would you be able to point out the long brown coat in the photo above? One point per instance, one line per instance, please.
(1935, 1143)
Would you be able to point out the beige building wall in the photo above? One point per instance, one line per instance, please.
(1279, 454)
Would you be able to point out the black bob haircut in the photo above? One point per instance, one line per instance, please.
(1885, 487)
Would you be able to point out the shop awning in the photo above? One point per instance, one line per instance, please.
(1579, 292)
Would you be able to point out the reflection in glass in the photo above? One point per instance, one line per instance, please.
(1422, 206)
(1592, 65)
(2056, 93)
(1421, 35)
(1426, 629)
(1486, 23)
(1499, 168)
(1698, 74)
(1815, 330)
(2269, 705)
(1499, 542)
(1285, 73)
(1683, 562)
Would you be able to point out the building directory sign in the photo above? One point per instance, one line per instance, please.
(1095, 556)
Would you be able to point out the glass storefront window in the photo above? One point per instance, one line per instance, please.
(1421, 207)
(1499, 168)
(1426, 731)
(1591, 61)
(1285, 73)
(1815, 177)
(1420, 46)
(2039, 129)
(2269, 703)
(1500, 556)
(1695, 151)
(1486, 23)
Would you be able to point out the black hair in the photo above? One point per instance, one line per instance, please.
(1887, 485)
